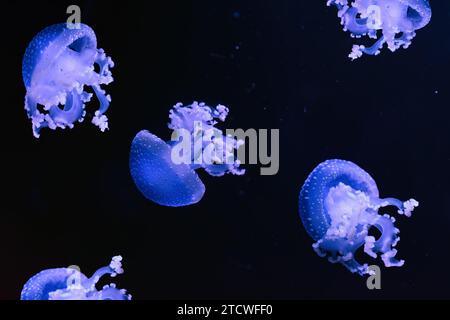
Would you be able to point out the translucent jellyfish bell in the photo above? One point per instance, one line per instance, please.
(397, 20)
(169, 182)
(58, 63)
(71, 284)
(338, 204)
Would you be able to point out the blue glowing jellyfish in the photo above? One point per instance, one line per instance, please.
(165, 172)
(71, 284)
(339, 203)
(395, 21)
(58, 63)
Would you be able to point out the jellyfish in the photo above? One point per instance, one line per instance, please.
(70, 284)
(338, 205)
(58, 63)
(391, 22)
(165, 173)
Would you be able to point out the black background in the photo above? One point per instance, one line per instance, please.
(68, 197)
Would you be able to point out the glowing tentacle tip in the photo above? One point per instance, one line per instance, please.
(338, 204)
(58, 63)
(396, 21)
(168, 179)
(71, 284)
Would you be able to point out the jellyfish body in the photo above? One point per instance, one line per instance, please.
(338, 205)
(396, 21)
(172, 183)
(71, 284)
(58, 63)
(158, 178)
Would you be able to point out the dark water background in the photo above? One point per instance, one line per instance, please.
(68, 197)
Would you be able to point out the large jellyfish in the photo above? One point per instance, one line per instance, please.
(167, 180)
(395, 21)
(58, 64)
(71, 284)
(339, 203)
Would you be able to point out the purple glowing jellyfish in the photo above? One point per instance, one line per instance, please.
(71, 284)
(338, 205)
(395, 21)
(164, 172)
(58, 64)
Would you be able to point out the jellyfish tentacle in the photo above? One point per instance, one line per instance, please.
(355, 267)
(389, 259)
(339, 4)
(99, 119)
(356, 26)
(404, 207)
(388, 240)
(340, 250)
(105, 63)
(113, 269)
(102, 98)
(73, 110)
(38, 121)
(104, 77)
(404, 41)
(384, 202)
(375, 49)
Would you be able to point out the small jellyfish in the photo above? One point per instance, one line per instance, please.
(71, 284)
(397, 21)
(58, 63)
(164, 172)
(338, 206)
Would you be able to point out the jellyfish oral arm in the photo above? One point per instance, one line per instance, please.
(405, 208)
(352, 214)
(114, 268)
(211, 149)
(105, 77)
